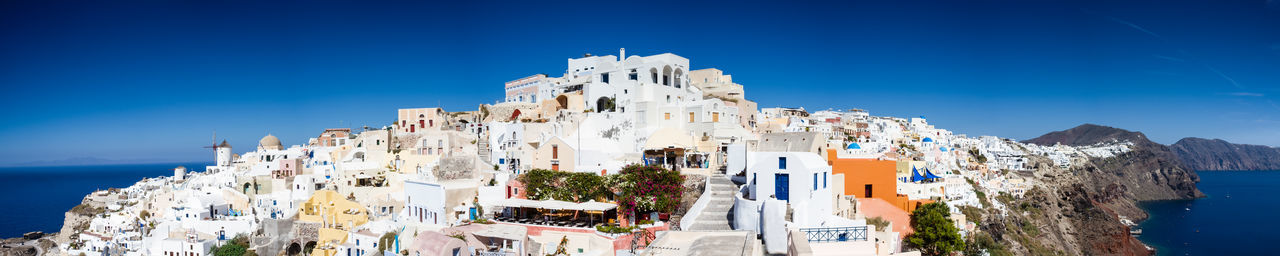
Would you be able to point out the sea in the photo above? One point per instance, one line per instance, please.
(1239, 216)
(35, 198)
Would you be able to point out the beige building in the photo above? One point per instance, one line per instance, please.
(715, 84)
(414, 119)
(555, 154)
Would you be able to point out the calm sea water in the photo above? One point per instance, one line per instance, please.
(1239, 217)
(35, 198)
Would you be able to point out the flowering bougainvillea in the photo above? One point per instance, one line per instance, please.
(648, 189)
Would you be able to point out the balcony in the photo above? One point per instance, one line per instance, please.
(836, 234)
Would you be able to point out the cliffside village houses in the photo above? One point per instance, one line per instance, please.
(440, 182)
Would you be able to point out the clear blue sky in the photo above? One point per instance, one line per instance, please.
(151, 80)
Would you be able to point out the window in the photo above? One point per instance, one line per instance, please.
(715, 117)
(690, 117)
(604, 78)
(667, 116)
(824, 179)
(555, 152)
(815, 181)
(867, 193)
(633, 76)
(782, 163)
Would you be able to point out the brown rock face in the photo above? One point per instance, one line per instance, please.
(1218, 155)
(1099, 230)
(1150, 172)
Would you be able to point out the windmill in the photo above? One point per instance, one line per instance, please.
(218, 156)
(213, 143)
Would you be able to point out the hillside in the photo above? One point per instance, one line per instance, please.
(1150, 172)
(1087, 134)
(1218, 155)
(1079, 209)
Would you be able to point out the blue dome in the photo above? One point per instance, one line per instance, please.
(944, 149)
(853, 146)
(927, 139)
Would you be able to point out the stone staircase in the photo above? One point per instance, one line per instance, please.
(719, 211)
(482, 148)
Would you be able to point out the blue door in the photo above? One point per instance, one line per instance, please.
(473, 213)
(780, 183)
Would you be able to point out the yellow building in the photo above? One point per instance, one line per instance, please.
(336, 216)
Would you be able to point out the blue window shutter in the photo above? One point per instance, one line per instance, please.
(782, 163)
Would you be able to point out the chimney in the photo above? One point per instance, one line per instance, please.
(622, 54)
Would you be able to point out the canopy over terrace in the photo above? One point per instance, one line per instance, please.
(563, 218)
(667, 147)
(669, 137)
(555, 204)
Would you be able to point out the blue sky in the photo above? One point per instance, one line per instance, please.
(151, 80)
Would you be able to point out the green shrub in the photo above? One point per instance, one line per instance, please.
(879, 222)
(609, 229)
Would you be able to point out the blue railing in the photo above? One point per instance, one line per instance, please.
(837, 234)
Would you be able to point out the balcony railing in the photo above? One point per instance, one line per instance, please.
(498, 253)
(836, 234)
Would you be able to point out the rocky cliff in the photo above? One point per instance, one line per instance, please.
(1078, 210)
(1218, 155)
(1150, 171)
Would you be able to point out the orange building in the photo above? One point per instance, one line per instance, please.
(872, 178)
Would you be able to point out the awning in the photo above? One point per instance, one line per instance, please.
(668, 137)
(596, 206)
(915, 175)
(929, 175)
(515, 202)
(555, 204)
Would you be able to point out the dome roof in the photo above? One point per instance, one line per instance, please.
(853, 145)
(270, 142)
(224, 144)
(927, 139)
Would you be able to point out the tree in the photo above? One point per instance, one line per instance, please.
(386, 241)
(230, 249)
(540, 183)
(935, 234)
(582, 187)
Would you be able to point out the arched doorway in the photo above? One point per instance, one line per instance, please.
(309, 247)
(562, 102)
(679, 75)
(294, 249)
(666, 75)
(604, 103)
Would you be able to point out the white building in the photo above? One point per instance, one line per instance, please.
(424, 203)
